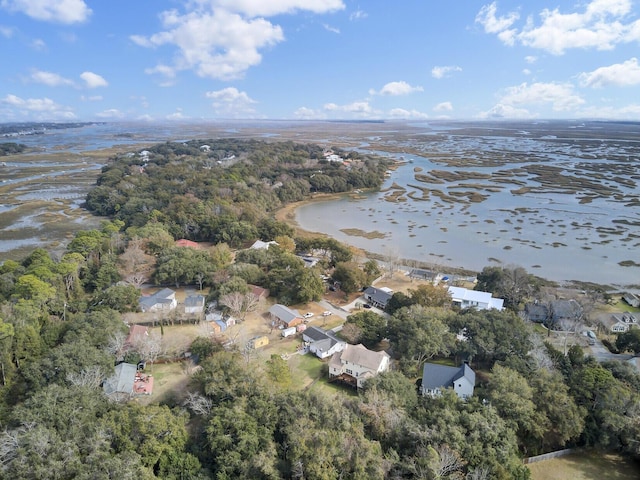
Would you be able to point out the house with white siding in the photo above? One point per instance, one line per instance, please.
(465, 298)
(355, 364)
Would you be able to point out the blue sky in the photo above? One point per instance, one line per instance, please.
(84, 60)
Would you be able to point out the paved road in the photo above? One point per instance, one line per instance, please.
(601, 354)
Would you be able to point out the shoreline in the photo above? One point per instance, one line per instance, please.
(287, 215)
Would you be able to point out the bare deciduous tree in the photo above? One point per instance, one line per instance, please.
(150, 347)
(135, 265)
(240, 303)
(198, 404)
(449, 463)
(89, 377)
(117, 345)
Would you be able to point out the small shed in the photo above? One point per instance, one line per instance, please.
(258, 342)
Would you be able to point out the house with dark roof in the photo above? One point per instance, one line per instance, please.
(560, 310)
(163, 300)
(322, 343)
(631, 299)
(355, 364)
(378, 297)
(536, 312)
(285, 316)
(435, 378)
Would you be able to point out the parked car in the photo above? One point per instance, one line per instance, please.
(326, 313)
(308, 315)
(366, 305)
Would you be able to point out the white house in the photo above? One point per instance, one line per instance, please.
(465, 298)
(260, 245)
(163, 300)
(436, 378)
(322, 343)
(355, 364)
(622, 322)
(194, 304)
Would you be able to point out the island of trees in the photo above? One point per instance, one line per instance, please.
(61, 330)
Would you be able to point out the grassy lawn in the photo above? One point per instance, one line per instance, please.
(167, 378)
(307, 373)
(586, 466)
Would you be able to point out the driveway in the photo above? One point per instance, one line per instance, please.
(602, 354)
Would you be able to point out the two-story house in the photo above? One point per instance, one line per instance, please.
(436, 378)
(356, 364)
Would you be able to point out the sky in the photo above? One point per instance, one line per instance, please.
(192, 60)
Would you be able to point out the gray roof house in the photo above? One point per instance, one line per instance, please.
(631, 299)
(621, 322)
(194, 304)
(378, 297)
(120, 384)
(355, 364)
(322, 343)
(436, 377)
(537, 312)
(564, 310)
(162, 300)
(285, 316)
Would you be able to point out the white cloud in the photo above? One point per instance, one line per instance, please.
(6, 32)
(620, 74)
(50, 79)
(443, 107)
(305, 113)
(35, 109)
(59, 11)
(91, 98)
(493, 24)
(631, 112)
(396, 88)
(401, 113)
(230, 102)
(259, 8)
(222, 39)
(530, 59)
(526, 71)
(601, 25)
(358, 15)
(441, 72)
(560, 96)
(177, 116)
(110, 113)
(218, 44)
(505, 111)
(331, 29)
(362, 108)
(38, 44)
(93, 80)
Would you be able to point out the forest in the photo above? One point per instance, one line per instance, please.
(61, 327)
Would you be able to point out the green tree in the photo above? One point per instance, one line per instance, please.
(351, 277)
(371, 326)
(417, 334)
(629, 341)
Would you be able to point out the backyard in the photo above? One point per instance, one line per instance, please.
(586, 466)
